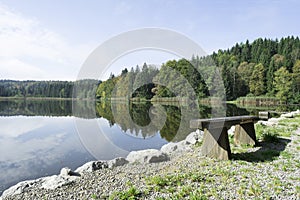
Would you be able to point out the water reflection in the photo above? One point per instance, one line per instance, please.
(32, 144)
(145, 120)
(33, 147)
(35, 108)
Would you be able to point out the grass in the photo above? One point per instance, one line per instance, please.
(271, 134)
(131, 194)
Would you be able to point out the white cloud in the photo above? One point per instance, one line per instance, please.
(31, 51)
(10, 130)
(20, 70)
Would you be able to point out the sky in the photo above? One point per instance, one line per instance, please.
(51, 39)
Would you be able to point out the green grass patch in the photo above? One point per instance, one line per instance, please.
(286, 155)
(270, 136)
(131, 194)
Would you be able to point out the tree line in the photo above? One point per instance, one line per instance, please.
(264, 67)
(49, 89)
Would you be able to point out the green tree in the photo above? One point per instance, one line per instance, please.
(257, 82)
(296, 81)
(283, 84)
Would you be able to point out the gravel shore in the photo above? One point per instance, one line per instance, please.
(189, 175)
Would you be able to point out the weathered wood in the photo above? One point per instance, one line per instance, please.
(216, 141)
(221, 122)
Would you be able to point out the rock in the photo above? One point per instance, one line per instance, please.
(68, 172)
(171, 147)
(55, 181)
(18, 188)
(92, 166)
(65, 171)
(99, 165)
(231, 130)
(51, 182)
(194, 137)
(87, 167)
(267, 123)
(295, 113)
(275, 120)
(287, 115)
(147, 156)
(117, 162)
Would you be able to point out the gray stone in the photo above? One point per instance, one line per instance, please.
(92, 166)
(117, 162)
(287, 115)
(231, 130)
(275, 120)
(171, 147)
(65, 171)
(147, 156)
(19, 188)
(99, 165)
(68, 172)
(295, 113)
(87, 167)
(267, 123)
(194, 137)
(51, 182)
(55, 181)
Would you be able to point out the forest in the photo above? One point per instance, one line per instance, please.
(263, 68)
(48, 89)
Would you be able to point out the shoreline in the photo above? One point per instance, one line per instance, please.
(171, 158)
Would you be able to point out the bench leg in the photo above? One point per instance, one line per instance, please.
(216, 144)
(245, 134)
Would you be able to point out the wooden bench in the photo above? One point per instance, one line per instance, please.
(215, 139)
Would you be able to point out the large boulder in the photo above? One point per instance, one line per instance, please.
(147, 156)
(68, 172)
(295, 113)
(19, 188)
(171, 147)
(194, 137)
(117, 162)
(92, 166)
(51, 182)
(55, 181)
(287, 115)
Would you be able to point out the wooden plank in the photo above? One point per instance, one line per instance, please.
(222, 121)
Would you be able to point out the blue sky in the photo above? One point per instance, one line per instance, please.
(51, 39)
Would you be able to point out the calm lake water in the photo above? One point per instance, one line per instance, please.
(38, 138)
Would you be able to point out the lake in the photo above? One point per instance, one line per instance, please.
(38, 138)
